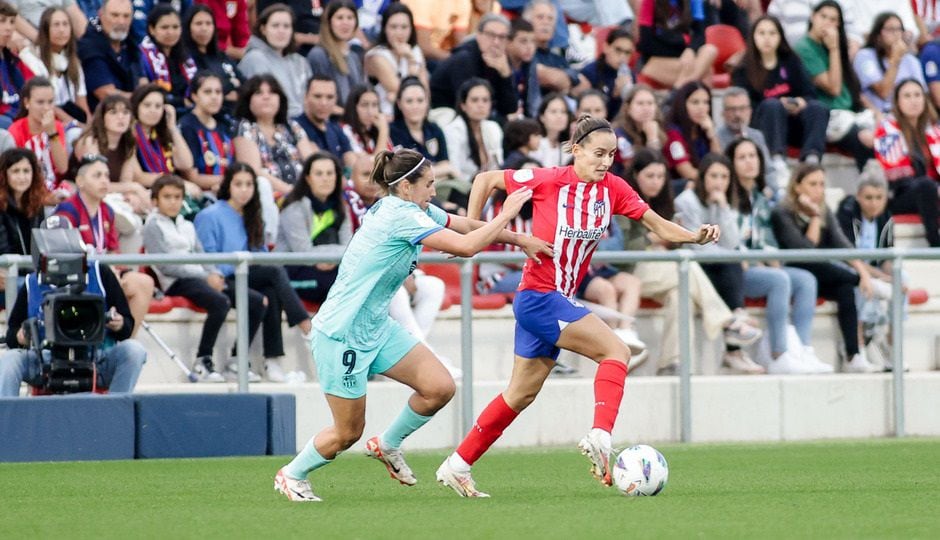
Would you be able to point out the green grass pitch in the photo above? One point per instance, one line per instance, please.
(868, 489)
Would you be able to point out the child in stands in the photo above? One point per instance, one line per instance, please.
(167, 231)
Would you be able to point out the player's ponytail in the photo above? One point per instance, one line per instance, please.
(585, 125)
(391, 168)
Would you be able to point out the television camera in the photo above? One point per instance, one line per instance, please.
(68, 333)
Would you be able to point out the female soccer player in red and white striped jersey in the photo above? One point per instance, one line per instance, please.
(572, 207)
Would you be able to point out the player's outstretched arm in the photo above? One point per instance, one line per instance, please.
(677, 234)
(533, 246)
(481, 189)
(468, 245)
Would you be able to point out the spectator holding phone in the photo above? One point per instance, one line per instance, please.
(783, 97)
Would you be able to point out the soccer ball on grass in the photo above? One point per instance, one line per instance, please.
(640, 471)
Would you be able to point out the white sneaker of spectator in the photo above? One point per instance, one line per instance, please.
(739, 362)
(231, 373)
(812, 362)
(788, 363)
(741, 334)
(205, 370)
(741, 314)
(273, 371)
(876, 356)
(859, 364)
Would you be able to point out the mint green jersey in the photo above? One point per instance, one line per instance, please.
(382, 253)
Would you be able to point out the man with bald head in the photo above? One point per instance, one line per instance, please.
(109, 58)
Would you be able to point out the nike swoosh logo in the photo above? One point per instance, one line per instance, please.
(394, 468)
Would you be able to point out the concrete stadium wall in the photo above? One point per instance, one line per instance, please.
(724, 408)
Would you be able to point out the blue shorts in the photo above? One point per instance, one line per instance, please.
(343, 370)
(540, 318)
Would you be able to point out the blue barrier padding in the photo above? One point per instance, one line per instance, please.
(201, 425)
(67, 428)
(282, 425)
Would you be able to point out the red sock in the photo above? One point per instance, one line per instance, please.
(494, 419)
(608, 392)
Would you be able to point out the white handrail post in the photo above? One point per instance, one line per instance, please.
(685, 349)
(466, 345)
(897, 343)
(241, 318)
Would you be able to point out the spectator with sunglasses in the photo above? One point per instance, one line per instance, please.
(484, 58)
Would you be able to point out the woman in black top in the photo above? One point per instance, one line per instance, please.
(199, 37)
(22, 194)
(164, 59)
(802, 221)
(783, 96)
(412, 129)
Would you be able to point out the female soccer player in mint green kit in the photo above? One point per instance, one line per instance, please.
(353, 335)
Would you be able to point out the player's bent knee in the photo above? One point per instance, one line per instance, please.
(445, 391)
(346, 436)
(439, 392)
(520, 398)
(617, 350)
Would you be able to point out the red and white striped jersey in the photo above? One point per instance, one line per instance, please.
(571, 214)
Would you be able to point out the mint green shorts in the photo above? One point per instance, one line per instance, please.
(343, 370)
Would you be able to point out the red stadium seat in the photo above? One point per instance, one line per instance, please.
(907, 219)
(755, 302)
(720, 80)
(450, 275)
(167, 303)
(600, 36)
(488, 301)
(794, 152)
(651, 82)
(917, 297)
(311, 307)
(727, 39)
(163, 305)
(186, 303)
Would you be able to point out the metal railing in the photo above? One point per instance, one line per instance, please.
(683, 258)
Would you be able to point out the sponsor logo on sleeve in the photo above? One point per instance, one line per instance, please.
(523, 175)
(677, 150)
(424, 220)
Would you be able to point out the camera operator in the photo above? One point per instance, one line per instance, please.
(120, 358)
(95, 220)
